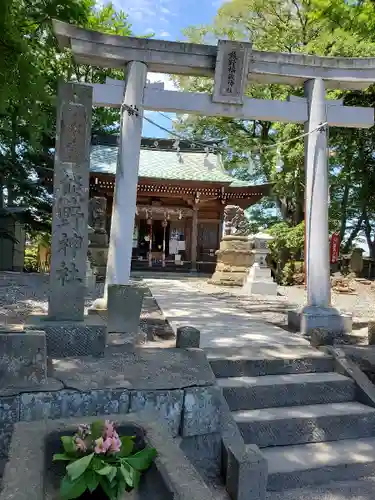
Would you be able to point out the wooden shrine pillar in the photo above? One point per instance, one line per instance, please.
(150, 235)
(194, 238)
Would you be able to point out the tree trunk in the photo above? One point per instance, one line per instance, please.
(354, 233)
(368, 231)
(344, 204)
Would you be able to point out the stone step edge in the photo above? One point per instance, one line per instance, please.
(340, 467)
(316, 411)
(294, 379)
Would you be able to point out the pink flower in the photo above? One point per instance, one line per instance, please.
(115, 443)
(102, 445)
(109, 429)
(107, 444)
(99, 446)
(80, 444)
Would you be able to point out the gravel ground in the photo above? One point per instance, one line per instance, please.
(23, 294)
(275, 309)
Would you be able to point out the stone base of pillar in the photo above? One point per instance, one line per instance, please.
(71, 338)
(124, 309)
(323, 325)
(234, 258)
(259, 281)
(100, 305)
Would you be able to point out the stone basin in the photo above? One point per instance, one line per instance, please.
(30, 473)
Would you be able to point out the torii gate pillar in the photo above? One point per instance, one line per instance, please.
(125, 194)
(318, 319)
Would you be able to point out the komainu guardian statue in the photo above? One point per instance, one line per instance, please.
(235, 221)
(234, 258)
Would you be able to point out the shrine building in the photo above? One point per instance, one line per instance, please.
(181, 196)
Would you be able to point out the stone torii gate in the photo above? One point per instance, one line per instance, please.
(233, 65)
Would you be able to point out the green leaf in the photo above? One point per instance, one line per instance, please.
(111, 476)
(104, 471)
(121, 488)
(69, 445)
(92, 480)
(136, 478)
(141, 460)
(130, 475)
(97, 429)
(61, 457)
(72, 489)
(127, 445)
(97, 463)
(77, 468)
(126, 472)
(107, 488)
(121, 483)
(108, 471)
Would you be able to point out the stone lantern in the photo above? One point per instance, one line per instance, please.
(259, 243)
(259, 280)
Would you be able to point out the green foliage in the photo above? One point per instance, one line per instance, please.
(292, 273)
(70, 489)
(287, 247)
(323, 27)
(37, 238)
(31, 259)
(97, 456)
(78, 467)
(290, 238)
(30, 68)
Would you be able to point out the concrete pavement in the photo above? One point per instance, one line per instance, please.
(220, 324)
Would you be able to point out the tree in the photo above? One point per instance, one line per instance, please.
(29, 73)
(310, 26)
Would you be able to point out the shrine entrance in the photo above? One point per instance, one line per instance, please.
(232, 65)
(159, 238)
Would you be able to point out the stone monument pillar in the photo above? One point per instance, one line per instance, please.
(234, 258)
(70, 207)
(259, 280)
(68, 331)
(98, 246)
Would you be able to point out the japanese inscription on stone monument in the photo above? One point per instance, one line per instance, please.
(231, 70)
(70, 211)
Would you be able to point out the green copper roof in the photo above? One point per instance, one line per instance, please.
(160, 164)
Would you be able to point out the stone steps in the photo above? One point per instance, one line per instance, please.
(286, 390)
(306, 424)
(355, 489)
(305, 418)
(319, 463)
(255, 362)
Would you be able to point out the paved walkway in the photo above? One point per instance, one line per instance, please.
(220, 324)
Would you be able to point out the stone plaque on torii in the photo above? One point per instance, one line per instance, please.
(232, 65)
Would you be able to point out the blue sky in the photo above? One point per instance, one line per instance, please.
(167, 19)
